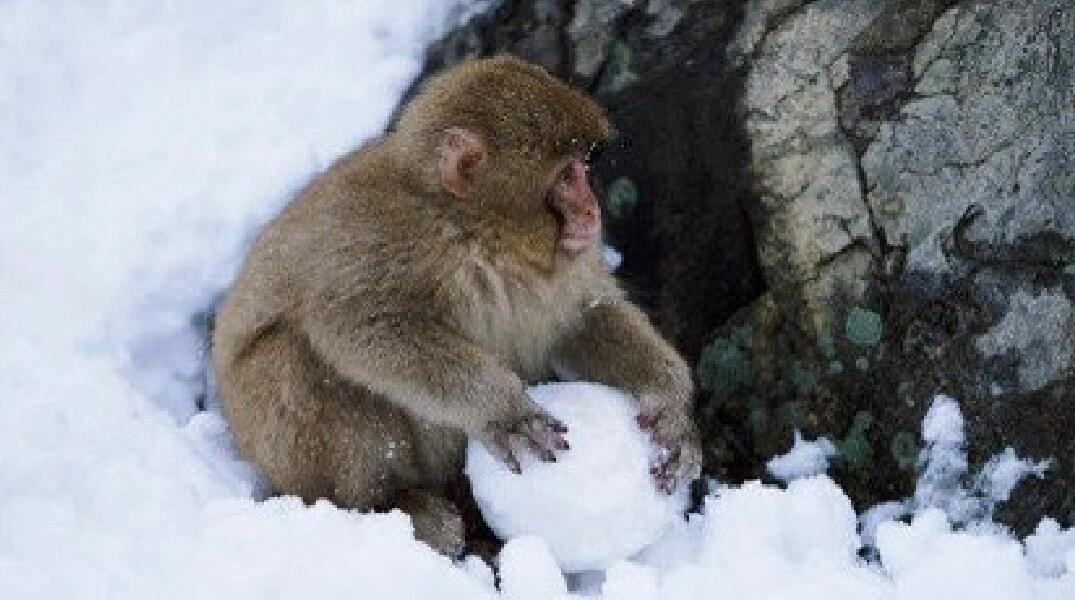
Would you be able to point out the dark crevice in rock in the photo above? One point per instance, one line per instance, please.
(1046, 253)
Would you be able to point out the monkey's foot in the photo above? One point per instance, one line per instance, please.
(436, 519)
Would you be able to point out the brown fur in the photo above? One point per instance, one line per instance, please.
(379, 321)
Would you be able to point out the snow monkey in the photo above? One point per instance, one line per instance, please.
(402, 302)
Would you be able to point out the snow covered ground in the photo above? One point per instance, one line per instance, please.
(140, 146)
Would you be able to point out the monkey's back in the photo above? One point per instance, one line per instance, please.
(310, 431)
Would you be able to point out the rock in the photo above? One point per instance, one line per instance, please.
(839, 209)
(915, 228)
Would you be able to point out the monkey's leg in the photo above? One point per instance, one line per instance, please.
(382, 459)
(437, 520)
(316, 435)
(269, 395)
(311, 433)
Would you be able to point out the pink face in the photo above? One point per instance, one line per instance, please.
(575, 205)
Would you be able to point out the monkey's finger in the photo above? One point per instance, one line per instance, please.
(552, 423)
(543, 453)
(553, 439)
(666, 470)
(512, 462)
(499, 446)
(543, 434)
(558, 442)
(507, 457)
(662, 477)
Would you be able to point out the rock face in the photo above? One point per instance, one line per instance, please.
(839, 208)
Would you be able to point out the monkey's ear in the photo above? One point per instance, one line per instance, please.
(462, 153)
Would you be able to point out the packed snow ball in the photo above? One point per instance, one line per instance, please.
(597, 504)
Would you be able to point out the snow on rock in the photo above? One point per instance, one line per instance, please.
(944, 481)
(944, 457)
(874, 516)
(1001, 473)
(597, 503)
(805, 459)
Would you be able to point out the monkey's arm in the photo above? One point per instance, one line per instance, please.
(615, 344)
(436, 375)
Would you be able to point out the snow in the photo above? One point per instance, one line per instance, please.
(945, 482)
(1004, 471)
(806, 458)
(611, 257)
(141, 145)
(597, 503)
(528, 570)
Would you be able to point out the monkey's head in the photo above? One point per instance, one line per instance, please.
(504, 138)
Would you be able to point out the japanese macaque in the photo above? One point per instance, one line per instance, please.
(404, 300)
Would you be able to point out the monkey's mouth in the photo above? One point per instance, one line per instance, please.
(576, 236)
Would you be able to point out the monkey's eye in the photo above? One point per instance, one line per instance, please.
(567, 173)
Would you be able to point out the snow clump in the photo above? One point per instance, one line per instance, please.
(597, 503)
(805, 459)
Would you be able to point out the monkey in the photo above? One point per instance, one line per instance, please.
(402, 301)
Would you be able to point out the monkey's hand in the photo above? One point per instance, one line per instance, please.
(678, 459)
(539, 431)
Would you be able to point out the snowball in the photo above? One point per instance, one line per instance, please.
(805, 459)
(598, 503)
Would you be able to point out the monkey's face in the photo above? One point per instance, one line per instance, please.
(575, 205)
(508, 141)
(551, 197)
